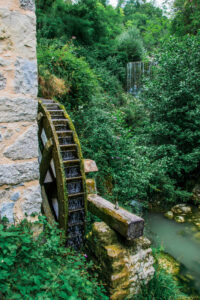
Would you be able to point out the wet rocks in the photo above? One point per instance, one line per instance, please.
(184, 213)
(179, 219)
(168, 263)
(181, 209)
(179, 213)
(169, 215)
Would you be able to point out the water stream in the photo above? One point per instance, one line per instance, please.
(178, 240)
(135, 72)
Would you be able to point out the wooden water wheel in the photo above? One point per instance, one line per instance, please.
(62, 176)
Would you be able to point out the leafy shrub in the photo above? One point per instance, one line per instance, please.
(173, 102)
(130, 42)
(80, 81)
(41, 267)
(90, 21)
(124, 170)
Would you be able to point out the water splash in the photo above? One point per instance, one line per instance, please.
(62, 127)
(76, 217)
(72, 172)
(68, 155)
(66, 140)
(74, 187)
(76, 203)
(135, 72)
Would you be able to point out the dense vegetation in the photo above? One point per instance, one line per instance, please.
(147, 148)
(143, 150)
(41, 267)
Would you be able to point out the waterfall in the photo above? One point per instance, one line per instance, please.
(135, 72)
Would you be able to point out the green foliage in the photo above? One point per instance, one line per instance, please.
(78, 77)
(90, 21)
(130, 42)
(173, 102)
(162, 286)
(149, 20)
(106, 138)
(41, 267)
(141, 141)
(186, 17)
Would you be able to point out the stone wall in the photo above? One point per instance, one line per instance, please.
(20, 193)
(124, 265)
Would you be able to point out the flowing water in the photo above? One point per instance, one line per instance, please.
(135, 72)
(178, 240)
(68, 155)
(74, 187)
(76, 203)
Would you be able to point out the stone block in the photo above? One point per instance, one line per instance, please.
(4, 62)
(2, 82)
(125, 267)
(3, 195)
(26, 146)
(18, 172)
(26, 77)
(32, 200)
(102, 232)
(7, 211)
(15, 196)
(17, 109)
(27, 4)
(20, 29)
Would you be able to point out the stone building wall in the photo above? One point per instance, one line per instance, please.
(125, 266)
(20, 193)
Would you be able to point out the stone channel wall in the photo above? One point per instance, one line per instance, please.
(124, 265)
(20, 193)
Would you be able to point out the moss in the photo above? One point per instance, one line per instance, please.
(59, 168)
(80, 156)
(168, 263)
(91, 186)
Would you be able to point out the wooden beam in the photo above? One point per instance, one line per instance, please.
(40, 117)
(46, 207)
(127, 224)
(46, 159)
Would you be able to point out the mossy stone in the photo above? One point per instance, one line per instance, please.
(169, 215)
(168, 263)
(179, 219)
